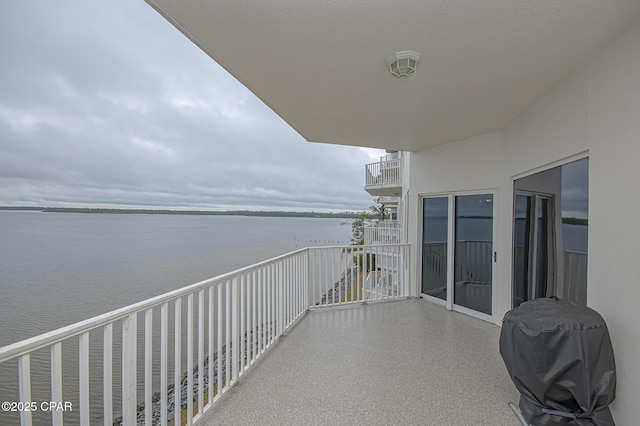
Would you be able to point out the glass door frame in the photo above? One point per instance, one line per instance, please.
(451, 243)
(531, 280)
(450, 253)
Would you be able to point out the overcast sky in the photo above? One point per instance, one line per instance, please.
(105, 103)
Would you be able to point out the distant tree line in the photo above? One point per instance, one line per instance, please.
(575, 221)
(342, 215)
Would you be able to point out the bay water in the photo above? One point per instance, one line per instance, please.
(60, 268)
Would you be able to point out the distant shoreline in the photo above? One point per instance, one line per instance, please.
(339, 215)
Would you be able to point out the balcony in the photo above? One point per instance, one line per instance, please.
(180, 352)
(389, 201)
(383, 232)
(384, 178)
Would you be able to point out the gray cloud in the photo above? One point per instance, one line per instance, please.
(105, 103)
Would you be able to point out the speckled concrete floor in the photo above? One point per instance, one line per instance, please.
(405, 362)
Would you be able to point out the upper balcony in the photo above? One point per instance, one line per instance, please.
(388, 201)
(384, 178)
(383, 232)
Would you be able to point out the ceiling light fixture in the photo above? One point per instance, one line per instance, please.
(403, 64)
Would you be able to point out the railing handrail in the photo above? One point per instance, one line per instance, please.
(16, 349)
(388, 224)
(393, 160)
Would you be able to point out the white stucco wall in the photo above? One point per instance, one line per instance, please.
(614, 208)
(596, 110)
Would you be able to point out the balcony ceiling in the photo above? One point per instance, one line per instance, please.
(321, 65)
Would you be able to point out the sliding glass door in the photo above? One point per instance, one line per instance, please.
(457, 251)
(435, 225)
(474, 252)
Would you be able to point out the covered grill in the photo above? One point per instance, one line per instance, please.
(560, 358)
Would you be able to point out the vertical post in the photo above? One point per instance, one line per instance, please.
(164, 347)
(210, 356)
(269, 306)
(287, 280)
(249, 328)
(285, 277)
(407, 270)
(129, 329)
(107, 374)
(261, 309)
(235, 347)
(190, 358)
(227, 348)
(148, 366)
(298, 284)
(200, 351)
(177, 361)
(338, 273)
(241, 320)
(24, 378)
(220, 322)
(366, 294)
(56, 381)
(83, 374)
(309, 288)
(280, 278)
(254, 315)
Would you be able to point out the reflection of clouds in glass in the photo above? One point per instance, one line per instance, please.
(437, 207)
(575, 189)
(475, 205)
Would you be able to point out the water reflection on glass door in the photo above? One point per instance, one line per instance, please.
(434, 246)
(473, 260)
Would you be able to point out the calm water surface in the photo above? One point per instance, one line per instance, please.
(60, 268)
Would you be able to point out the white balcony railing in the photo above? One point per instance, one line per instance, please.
(181, 351)
(386, 172)
(575, 276)
(384, 232)
(388, 200)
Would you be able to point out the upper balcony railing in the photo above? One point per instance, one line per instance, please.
(387, 172)
(190, 345)
(383, 232)
(388, 200)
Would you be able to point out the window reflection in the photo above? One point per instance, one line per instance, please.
(434, 246)
(474, 252)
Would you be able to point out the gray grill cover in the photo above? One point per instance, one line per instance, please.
(560, 358)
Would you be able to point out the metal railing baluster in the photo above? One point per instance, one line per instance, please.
(107, 374)
(83, 374)
(148, 366)
(163, 363)
(210, 328)
(129, 346)
(190, 358)
(56, 381)
(200, 351)
(177, 369)
(24, 379)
